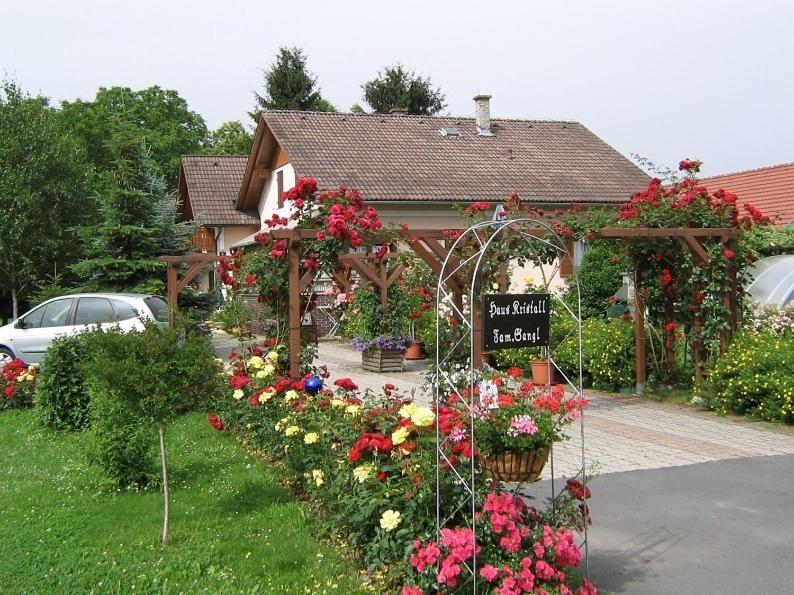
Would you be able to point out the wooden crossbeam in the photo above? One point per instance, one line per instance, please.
(306, 279)
(695, 246)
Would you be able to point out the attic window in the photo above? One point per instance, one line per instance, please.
(449, 132)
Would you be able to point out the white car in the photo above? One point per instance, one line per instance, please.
(30, 335)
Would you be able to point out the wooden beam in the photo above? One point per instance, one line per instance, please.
(307, 278)
(639, 338)
(188, 258)
(395, 274)
(293, 273)
(695, 246)
(363, 267)
(665, 232)
(173, 293)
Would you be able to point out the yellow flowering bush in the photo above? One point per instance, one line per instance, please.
(755, 377)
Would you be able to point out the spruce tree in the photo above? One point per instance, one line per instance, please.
(138, 223)
(290, 85)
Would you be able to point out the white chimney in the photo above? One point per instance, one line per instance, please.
(482, 114)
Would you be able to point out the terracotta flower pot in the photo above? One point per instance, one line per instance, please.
(542, 372)
(415, 350)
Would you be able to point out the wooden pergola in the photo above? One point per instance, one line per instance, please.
(430, 245)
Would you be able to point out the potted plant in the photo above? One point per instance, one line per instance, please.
(419, 282)
(542, 368)
(515, 429)
(380, 334)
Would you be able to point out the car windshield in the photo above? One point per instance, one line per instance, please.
(158, 307)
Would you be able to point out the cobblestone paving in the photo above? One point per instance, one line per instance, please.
(622, 433)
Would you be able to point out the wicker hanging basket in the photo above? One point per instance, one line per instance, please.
(516, 466)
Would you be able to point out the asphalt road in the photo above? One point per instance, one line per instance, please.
(725, 527)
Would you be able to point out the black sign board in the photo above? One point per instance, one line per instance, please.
(516, 320)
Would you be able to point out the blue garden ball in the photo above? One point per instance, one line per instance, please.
(313, 385)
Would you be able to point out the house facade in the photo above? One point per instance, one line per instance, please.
(208, 188)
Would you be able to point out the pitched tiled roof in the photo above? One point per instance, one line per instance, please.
(399, 157)
(208, 187)
(771, 189)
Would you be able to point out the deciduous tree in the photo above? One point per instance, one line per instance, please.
(397, 88)
(45, 190)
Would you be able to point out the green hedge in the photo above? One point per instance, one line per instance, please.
(755, 377)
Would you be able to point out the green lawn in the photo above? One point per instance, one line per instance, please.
(233, 528)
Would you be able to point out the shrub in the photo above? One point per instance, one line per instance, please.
(142, 380)
(122, 444)
(599, 278)
(61, 396)
(608, 355)
(755, 377)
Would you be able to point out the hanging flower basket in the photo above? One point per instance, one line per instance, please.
(517, 465)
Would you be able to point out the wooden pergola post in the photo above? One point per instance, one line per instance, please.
(197, 263)
(294, 311)
(639, 338)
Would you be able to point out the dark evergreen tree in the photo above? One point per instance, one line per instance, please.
(290, 85)
(138, 223)
(397, 88)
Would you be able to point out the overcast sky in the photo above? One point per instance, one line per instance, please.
(666, 80)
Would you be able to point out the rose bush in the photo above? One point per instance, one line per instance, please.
(367, 462)
(17, 384)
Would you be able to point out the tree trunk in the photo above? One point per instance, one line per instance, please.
(14, 304)
(161, 428)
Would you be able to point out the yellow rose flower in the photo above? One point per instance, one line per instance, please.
(256, 362)
(311, 437)
(363, 472)
(353, 410)
(423, 417)
(399, 436)
(290, 396)
(338, 403)
(407, 410)
(318, 476)
(238, 394)
(389, 520)
(272, 356)
(269, 370)
(291, 430)
(260, 374)
(265, 396)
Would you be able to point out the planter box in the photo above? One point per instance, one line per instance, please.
(382, 360)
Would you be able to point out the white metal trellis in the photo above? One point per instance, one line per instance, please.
(533, 234)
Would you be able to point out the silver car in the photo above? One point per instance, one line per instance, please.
(31, 334)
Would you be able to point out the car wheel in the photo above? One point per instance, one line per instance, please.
(5, 356)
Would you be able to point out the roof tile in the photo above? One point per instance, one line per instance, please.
(399, 157)
(212, 184)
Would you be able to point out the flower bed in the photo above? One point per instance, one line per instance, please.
(367, 463)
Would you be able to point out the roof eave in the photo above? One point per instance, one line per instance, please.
(257, 168)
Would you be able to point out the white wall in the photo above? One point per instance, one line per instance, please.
(268, 202)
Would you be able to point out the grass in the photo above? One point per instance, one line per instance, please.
(682, 396)
(233, 528)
